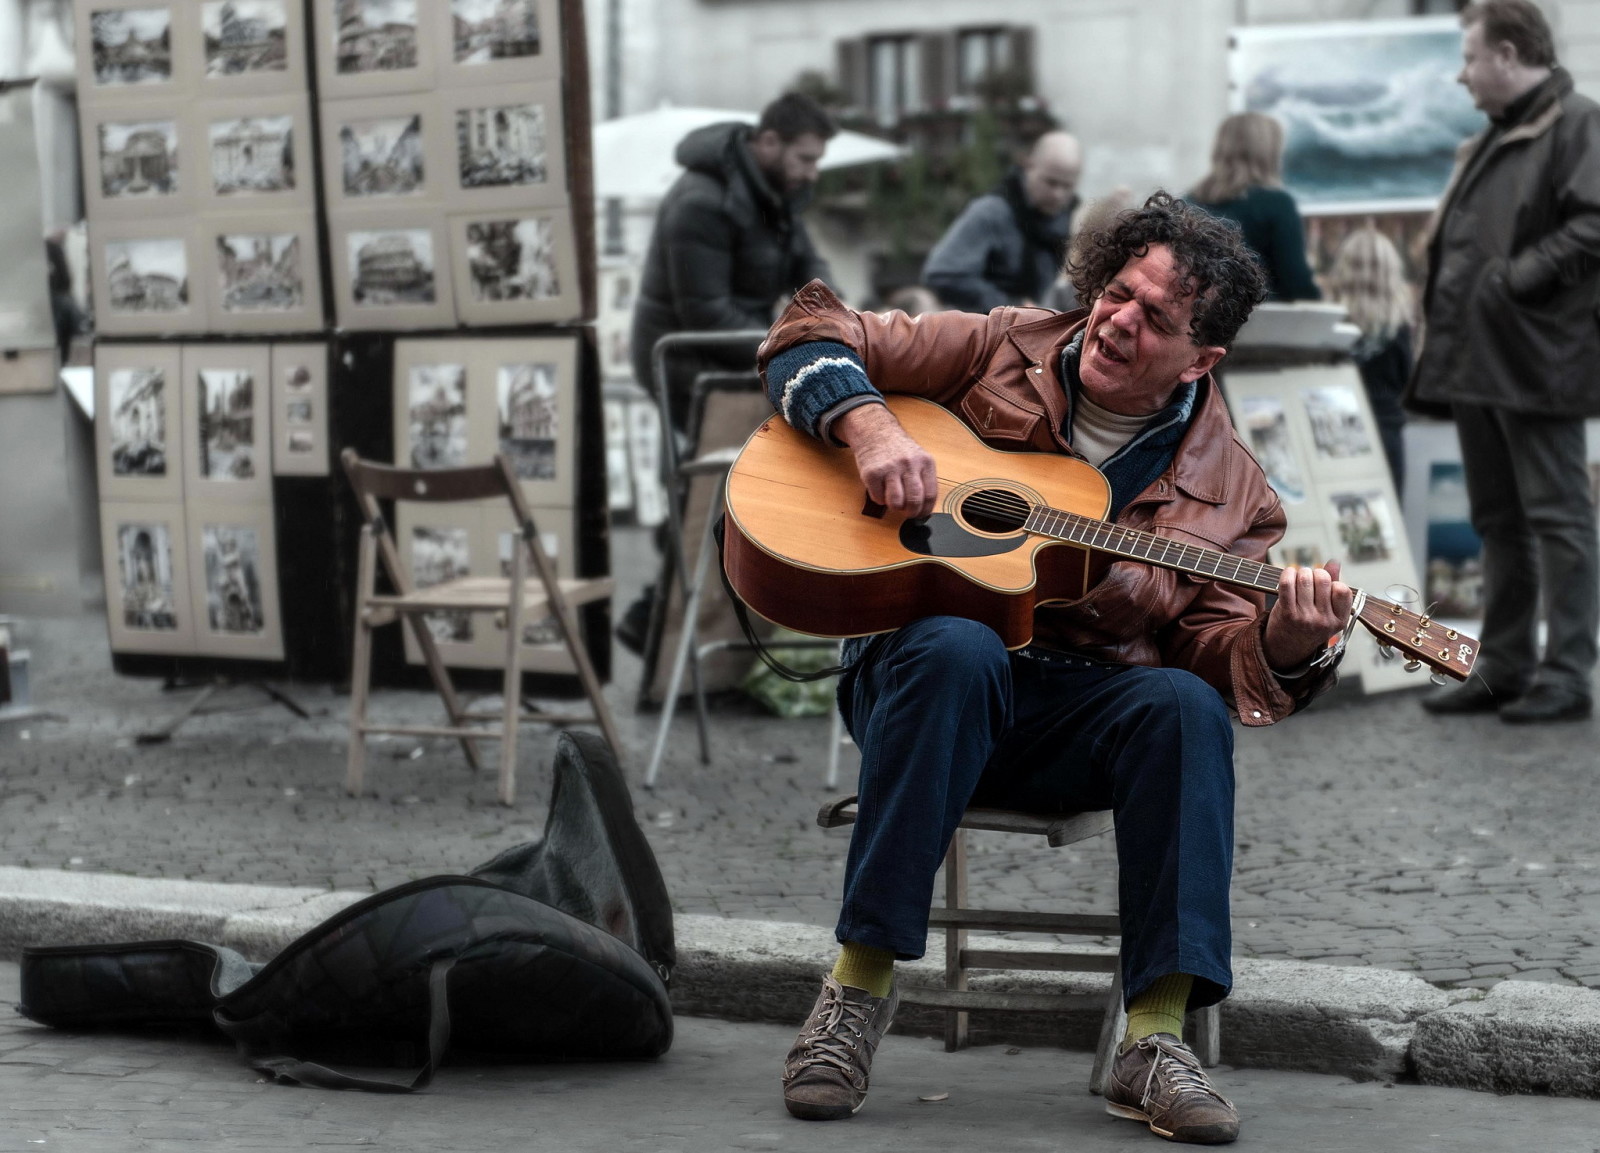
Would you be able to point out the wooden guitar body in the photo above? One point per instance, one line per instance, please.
(805, 548)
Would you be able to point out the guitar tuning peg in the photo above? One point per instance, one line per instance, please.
(1413, 666)
(1439, 678)
(1386, 652)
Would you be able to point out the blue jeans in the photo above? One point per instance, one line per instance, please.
(946, 717)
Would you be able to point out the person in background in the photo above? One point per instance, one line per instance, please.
(1006, 247)
(913, 300)
(1369, 279)
(1510, 350)
(1245, 185)
(64, 310)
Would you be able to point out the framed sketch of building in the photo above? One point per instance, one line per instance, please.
(144, 277)
(435, 416)
(300, 387)
(533, 411)
(369, 47)
(264, 273)
(390, 151)
(146, 565)
(543, 649)
(137, 162)
(497, 41)
(227, 423)
(233, 589)
(387, 269)
(508, 146)
(250, 46)
(256, 153)
(126, 48)
(138, 423)
(515, 267)
(439, 543)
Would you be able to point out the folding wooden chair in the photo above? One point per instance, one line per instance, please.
(542, 593)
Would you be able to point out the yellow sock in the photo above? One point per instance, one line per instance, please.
(1159, 1009)
(864, 967)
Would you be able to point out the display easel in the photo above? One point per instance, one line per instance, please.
(208, 689)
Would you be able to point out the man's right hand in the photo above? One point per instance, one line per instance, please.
(896, 470)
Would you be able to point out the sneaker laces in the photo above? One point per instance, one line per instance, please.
(1178, 1068)
(830, 1042)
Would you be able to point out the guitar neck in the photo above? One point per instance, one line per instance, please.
(1149, 548)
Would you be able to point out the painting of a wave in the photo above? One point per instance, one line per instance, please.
(1371, 111)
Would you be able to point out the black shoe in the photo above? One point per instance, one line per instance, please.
(1548, 703)
(634, 626)
(1473, 696)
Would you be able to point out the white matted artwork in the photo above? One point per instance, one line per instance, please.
(1264, 424)
(543, 648)
(137, 161)
(390, 151)
(138, 422)
(264, 271)
(388, 269)
(440, 543)
(1344, 438)
(227, 423)
(144, 277)
(1366, 523)
(509, 146)
(374, 47)
(300, 410)
(515, 267)
(126, 49)
(234, 590)
(619, 283)
(531, 410)
(257, 153)
(495, 42)
(435, 416)
(246, 47)
(146, 560)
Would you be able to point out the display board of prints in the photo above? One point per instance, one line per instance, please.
(459, 401)
(186, 439)
(1313, 433)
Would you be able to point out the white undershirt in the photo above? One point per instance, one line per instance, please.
(1098, 433)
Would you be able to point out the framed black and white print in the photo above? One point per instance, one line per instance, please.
(386, 152)
(509, 146)
(131, 48)
(138, 422)
(443, 406)
(256, 153)
(264, 272)
(388, 269)
(492, 42)
(146, 564)
(246, 47)
(144, 276)
(300, 409)
(515, 267)
(227, 423)
(139, 160)
(440, 543)
(374, 47)
(233, 562)
(534, 410)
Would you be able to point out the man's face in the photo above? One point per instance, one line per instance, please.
(1137, 349)
(789, 166)
(1049, 183)
(1487, 70)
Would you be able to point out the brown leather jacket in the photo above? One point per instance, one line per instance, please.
(999, 374)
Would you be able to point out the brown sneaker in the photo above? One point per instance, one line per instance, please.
(825, 1074)
(1159, 1081)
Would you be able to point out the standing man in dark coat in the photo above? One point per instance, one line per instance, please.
(1007, 246)
(728, 245)
(1512, 347)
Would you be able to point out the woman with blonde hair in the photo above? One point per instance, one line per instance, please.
(1245, 185)
(1369, 279)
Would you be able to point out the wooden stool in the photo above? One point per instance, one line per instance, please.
(957, 919)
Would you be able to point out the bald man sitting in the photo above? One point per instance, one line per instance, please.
(1006, 247)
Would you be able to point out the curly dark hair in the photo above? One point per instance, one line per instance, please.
(1214, 263)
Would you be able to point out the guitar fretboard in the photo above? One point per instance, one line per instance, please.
(1152, 549)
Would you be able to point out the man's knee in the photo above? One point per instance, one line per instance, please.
(1186, 706)
(969, 644)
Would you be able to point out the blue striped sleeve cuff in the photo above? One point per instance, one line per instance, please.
(806, 381)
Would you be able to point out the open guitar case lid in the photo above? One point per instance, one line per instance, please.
(559, 949)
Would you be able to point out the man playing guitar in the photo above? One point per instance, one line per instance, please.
(1122, 699)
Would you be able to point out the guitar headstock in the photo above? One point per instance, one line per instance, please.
(1420, 639)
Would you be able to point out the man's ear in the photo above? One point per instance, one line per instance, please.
(1205, 359)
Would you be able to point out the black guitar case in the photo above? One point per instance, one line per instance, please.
(560, 949)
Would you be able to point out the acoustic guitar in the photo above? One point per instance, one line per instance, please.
(806, 547)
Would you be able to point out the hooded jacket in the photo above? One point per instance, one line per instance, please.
(726, 247)
(1514, 266)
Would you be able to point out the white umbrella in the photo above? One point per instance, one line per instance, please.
(633, 154)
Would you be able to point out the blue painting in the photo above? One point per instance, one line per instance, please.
(1371, 111)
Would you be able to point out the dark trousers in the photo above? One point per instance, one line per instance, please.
(945, 716)
(1528, 485)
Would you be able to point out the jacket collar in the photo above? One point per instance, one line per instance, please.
(1544, 109)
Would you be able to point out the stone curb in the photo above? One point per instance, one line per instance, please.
(1363, 1023)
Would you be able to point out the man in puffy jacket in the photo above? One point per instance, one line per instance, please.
(1511, 351)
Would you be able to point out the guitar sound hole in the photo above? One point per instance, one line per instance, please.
(994, 510)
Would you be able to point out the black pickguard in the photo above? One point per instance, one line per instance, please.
(942, 535)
